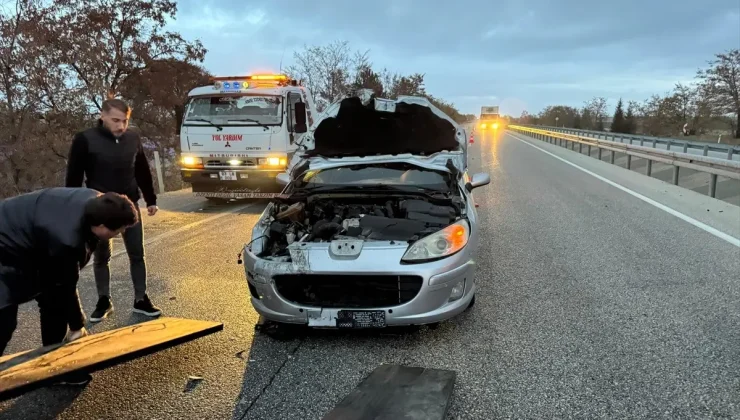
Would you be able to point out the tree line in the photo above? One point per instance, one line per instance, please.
(706, 108)
(59, 59)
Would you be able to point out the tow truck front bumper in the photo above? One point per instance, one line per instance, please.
(233, 182)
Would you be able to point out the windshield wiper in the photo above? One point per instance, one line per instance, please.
(250, 120)
(218, 127)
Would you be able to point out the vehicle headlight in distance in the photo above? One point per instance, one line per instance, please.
(444, 243)
(495, 125)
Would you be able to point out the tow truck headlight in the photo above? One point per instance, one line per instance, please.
(495, 125)
(273, 161)
(192, 161)
(444, 243)
(483, 125)
(235, 162)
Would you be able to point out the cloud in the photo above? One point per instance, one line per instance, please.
(531, 54)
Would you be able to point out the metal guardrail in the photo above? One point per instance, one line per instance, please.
(725, 167)
(726, 151)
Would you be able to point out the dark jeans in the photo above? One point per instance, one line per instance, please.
(53, 322)
(133, 240)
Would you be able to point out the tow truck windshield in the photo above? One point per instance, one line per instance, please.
(236, 110)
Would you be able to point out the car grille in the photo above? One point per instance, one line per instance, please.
(224, 163)
(347, 291)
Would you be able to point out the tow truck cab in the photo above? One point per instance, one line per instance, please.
(240, 132)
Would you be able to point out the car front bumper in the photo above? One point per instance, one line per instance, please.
(431, 304)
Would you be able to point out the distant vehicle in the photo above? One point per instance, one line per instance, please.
(238, 134)
(490, 119)
(377, 224)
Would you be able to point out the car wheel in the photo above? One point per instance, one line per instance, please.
(471, 304)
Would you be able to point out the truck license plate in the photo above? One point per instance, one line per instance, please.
(361, 319)
(227, 175)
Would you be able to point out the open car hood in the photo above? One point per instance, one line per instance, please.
(364, 129)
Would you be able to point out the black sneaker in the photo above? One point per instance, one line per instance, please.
(146, 307)
(74, 379)
(102, 309)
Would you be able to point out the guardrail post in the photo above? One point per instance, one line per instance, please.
(642, 142)
(580, 147)
(668, 146)
(649, 170)
(573, 145)
(158, 168)
(611, 158)
(686, 147)
(706, 150)
(729, 153)
(713, 185)
(655, 143)
(629, 161)
(589, 150)
(599, 153)
(675, 175)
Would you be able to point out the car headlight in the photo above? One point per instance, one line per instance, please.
(444, 243)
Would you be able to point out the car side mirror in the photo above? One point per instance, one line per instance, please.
(283, 178)
(480, 179)
(299, 108)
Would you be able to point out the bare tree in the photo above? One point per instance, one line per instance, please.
(597, 108)
(328, 70)
(721, 86)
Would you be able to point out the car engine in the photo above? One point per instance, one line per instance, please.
(387, 219)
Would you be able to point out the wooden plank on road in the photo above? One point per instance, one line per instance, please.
(22, 372)
(394, 392)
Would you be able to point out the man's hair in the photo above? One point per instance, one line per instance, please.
(118, 104)
(111, 210)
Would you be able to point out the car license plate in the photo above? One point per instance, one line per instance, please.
(227, 175)
(361, 319)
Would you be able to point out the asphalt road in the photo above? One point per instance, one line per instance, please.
(592, 303)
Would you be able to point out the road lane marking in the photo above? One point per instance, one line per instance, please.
(689, 219)
(181, 229)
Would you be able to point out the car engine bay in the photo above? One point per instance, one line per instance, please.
(380, 218)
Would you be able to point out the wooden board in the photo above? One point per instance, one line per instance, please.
(22, 372)
(394, 392)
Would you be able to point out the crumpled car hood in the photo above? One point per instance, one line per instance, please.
(363, 128)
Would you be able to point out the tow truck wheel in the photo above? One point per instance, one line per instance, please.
(216, 200)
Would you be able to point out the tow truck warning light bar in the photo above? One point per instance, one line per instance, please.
(245, 82)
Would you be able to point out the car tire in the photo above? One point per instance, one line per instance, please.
(471, 304)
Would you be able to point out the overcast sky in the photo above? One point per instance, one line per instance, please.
(523, 54)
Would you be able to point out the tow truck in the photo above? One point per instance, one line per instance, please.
(240, 132)
(490, 118)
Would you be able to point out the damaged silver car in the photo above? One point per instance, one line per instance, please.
(376, 225)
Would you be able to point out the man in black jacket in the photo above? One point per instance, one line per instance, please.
(46, 237)
(112, 159)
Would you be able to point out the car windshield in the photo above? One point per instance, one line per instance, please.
(236, 109)
(386, 176)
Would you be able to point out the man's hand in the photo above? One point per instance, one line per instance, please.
(152, 210)
(74, 335)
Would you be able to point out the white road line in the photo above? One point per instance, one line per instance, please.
(183, 228)
(691, 220)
